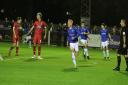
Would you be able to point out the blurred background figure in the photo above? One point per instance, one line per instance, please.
(1, 59)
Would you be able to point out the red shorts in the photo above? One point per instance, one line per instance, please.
(37, 39)
(15, 40)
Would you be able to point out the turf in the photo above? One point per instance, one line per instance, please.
(56, 68)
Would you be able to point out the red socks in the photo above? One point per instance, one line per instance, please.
(17, 50)
(34, 50)
(39, 50)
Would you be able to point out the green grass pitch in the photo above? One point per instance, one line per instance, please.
(56, 68)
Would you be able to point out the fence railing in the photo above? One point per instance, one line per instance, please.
(59, 38)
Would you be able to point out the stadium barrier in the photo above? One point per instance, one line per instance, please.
(59, 38)
(6, 34)
(95, 41)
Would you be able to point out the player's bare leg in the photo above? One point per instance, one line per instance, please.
(11, 48)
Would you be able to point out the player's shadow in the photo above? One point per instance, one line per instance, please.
(85, 66)
(31, 60)
(70, 70)
(76, 69)
(124, 73)
(51, 58)
(86, 60)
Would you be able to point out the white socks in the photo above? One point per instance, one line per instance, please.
(86, 51)
(73, 59)
(106, 53)
(30, 44)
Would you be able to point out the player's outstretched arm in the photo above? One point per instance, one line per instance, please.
(30, 30)
(110, 37)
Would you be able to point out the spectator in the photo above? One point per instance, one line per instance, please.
(95, 30)
(7, 23)
(25, 26)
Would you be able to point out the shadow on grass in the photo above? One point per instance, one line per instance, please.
(124, 73)
(91, 59)
(48, 58)
(44, 58)
(70, 70)
(31, 60)
(83, 66)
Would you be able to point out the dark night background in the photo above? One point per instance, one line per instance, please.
(108, 11)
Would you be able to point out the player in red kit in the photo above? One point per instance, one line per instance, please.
(39, 26)
(16, 37)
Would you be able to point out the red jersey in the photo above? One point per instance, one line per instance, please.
(39, 27)
(16, 28)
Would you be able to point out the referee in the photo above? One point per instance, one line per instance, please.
(123, 47)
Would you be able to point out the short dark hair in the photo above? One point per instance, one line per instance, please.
(19, 18)
(124, 20)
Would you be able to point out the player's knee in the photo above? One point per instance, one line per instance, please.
(106, 47)
(14, 45)
(39, 44)
(103, 48)
(118, 54)
(17, 45)
(85, 46)
(34, 44)
(72, 49)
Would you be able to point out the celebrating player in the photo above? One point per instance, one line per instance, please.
(123, 47)
(73, 40)
(83, 39)
(16, 36)
(40, 27)
(105, 36)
